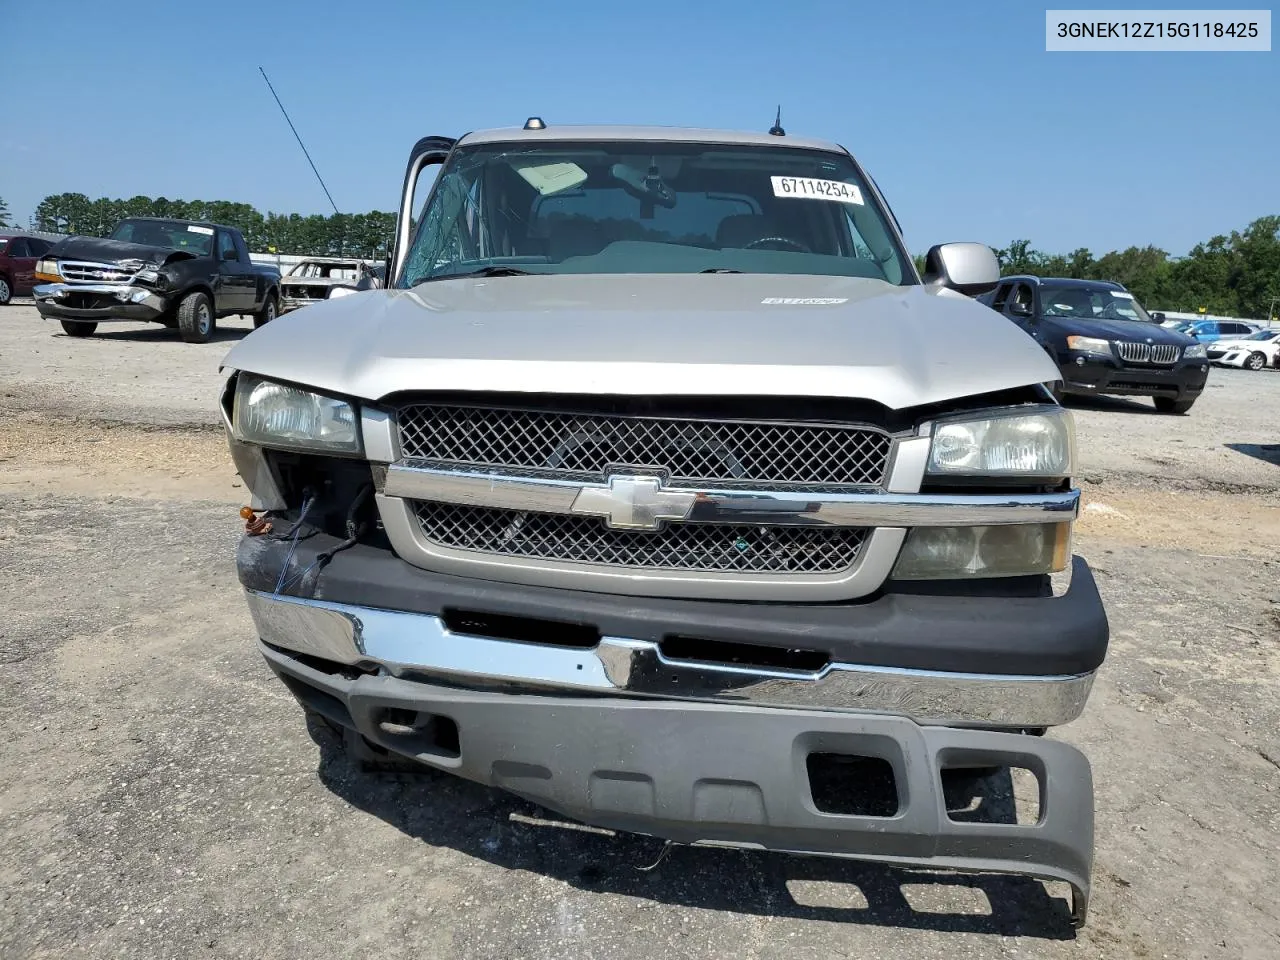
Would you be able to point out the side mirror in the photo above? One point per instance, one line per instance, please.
(1158, 317)
(230, 255)
(1019, 310)
(968, 268)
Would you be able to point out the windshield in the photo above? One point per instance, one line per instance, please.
(1261, 335)
(1092, 303)
(646, 207)
(190, 237)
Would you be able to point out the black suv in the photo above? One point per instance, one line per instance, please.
(1103, 340)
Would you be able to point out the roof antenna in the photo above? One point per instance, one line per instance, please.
(776, 130)
(299, 139)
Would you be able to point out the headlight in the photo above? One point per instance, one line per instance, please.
(1196, 351)
(47, 270)
(1040, 444)
(1013, 550)
(276, 415)
(1089, 345)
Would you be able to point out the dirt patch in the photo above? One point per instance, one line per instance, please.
(1212, 525)
(54, 455)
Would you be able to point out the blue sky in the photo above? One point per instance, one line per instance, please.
(972, 130)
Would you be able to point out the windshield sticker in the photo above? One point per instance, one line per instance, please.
(549, 178)
(807, 188)
(1120, 294)
(207, 231)
(805, 301)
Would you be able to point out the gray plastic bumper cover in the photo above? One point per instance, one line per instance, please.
(730, 774)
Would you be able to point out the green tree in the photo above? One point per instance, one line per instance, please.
(4, 214)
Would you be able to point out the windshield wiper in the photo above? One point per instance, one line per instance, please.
(493, 271)
(719, 270)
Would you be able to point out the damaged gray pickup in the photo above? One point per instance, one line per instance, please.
(180, 273)
(659, 488)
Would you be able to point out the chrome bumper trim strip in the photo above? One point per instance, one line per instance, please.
(401, 643)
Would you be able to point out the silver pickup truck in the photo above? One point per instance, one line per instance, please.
(657, 487)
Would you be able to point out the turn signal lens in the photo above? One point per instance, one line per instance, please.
(1011, 550)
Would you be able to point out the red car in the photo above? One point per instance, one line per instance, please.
(18, 256)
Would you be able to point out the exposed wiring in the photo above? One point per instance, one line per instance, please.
(309, 497)
(293, 545)
(354, 530)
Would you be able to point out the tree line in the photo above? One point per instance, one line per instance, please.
(1236, 275)
(338, 235)
(1232, 276)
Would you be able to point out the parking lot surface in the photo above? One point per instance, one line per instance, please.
(163, 797)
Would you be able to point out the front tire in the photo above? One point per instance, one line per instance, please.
(1170, 405)
(1255, 361)
(268, 312)
(75, 328)
(6, 292)
(195, 318)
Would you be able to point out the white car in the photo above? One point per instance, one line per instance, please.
(1254, 352)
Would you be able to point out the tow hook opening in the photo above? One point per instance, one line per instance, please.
(418, 732)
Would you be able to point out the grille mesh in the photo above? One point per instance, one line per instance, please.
(584, 446)
(682, 546)
(1164, 354)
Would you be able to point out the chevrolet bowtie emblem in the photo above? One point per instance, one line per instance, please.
(634, 503)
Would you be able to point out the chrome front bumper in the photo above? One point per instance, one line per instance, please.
(399, 643)
(123, 292)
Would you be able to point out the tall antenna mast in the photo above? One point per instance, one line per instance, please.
(299, 139)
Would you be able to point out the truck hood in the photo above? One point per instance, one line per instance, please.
(638, 334)
(102, 250)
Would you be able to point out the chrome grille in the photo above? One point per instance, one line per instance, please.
(78, 271)
(585, 446)
(679, 546)
(1163, 354)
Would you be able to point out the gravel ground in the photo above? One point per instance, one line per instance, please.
(165, 799)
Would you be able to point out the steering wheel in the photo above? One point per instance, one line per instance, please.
(785, 241)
